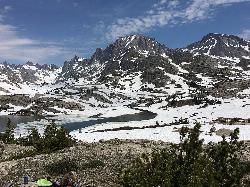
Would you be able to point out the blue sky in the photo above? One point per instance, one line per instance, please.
(51, 31)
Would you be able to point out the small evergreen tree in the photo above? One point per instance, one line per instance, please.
(54, 138)
(8, 135)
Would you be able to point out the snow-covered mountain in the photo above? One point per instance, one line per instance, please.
(119, 55)
(228, 47)
(217, 59)
(206, 80)
(16, 79)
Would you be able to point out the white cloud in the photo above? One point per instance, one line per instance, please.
(7, 8)
(166, 13)
(14, 47)
(3, 11)
(245, 34)
(201, 9)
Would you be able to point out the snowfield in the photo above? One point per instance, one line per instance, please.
(229, 108)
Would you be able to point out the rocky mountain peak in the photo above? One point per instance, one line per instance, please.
(29, 63)
(226, 40)
(73, 67)
(133, 43)
(97, 55)
(77, 59)
(222, 45)
(35, 66)
(139, 43)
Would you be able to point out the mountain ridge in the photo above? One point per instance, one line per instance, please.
(139, 37)
(135, 54)
(222, 45)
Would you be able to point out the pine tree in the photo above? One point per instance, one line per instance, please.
(8, 135)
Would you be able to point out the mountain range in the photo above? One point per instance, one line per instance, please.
(214, 56)
(133, 72)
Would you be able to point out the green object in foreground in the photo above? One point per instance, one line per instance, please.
(43, 182)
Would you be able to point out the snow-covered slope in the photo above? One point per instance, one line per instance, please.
(26, 78)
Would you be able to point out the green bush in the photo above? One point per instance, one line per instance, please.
(189, 163)
(225, 158)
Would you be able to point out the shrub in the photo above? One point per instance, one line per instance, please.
(226, 162)
(189, 163)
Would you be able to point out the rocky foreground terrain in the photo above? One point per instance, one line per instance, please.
(114, 156)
